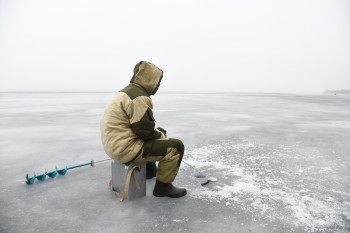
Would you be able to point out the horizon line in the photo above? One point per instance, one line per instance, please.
(166, 92)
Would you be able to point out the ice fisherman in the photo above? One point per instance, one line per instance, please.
(129, 133)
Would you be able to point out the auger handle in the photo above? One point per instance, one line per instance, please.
(91, 163)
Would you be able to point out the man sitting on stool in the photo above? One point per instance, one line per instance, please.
(129, 134)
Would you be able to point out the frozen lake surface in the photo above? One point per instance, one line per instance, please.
(282, 164)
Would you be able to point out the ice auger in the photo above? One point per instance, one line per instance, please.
(63, 171)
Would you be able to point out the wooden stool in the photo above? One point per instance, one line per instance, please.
(128, 181)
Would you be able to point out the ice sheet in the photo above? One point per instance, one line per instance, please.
(282, 164)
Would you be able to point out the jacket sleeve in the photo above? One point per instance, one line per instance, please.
(141, 119)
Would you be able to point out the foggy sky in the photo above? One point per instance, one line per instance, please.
(255, 46)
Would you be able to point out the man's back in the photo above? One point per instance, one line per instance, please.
(128, 118)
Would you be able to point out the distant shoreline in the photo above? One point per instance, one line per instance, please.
(336, 92)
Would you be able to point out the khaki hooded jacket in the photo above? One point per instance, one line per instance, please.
(128, 121)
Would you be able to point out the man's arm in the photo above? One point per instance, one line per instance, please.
(142, 120)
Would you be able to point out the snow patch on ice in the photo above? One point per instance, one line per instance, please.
(252, 178)
(180, 220)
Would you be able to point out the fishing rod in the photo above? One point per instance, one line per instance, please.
(191, 166)
(201, 175)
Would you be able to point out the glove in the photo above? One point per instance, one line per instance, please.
(162, 130)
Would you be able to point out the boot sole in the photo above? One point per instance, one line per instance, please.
(164, 195)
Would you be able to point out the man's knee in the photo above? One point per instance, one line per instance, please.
(178, 145)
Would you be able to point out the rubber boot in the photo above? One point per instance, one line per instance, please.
(168, 190)
(151, 170)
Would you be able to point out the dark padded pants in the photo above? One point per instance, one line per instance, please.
(168, 152)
